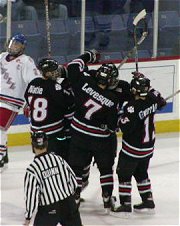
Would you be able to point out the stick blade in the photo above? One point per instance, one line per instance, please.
(139, 17)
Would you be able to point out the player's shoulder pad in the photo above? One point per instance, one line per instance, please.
(123, 84)
(34, 80)
(27, 58)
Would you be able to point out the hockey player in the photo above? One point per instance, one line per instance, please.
(51, 105)
(137, 126)
(122, 89)
(49, 187)
(94, 121)
(17, 70)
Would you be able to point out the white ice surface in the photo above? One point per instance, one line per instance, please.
(164, 175)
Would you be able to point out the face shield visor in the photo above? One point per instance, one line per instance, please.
(15, 48)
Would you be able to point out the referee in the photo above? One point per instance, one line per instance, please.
(49, 187)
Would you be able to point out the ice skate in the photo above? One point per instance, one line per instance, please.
(123, 211)
(3, 162)
(109, 203)
(145, 207)
(6, 158)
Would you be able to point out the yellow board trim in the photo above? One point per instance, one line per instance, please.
(19, 139)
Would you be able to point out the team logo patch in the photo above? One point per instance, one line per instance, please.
(58, 87)
(130, 109)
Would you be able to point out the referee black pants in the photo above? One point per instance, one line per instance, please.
(64, 212)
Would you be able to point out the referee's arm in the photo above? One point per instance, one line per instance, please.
(31, 192)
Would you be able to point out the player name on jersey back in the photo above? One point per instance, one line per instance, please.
(35, 90)
(148, 111)
(97, 96)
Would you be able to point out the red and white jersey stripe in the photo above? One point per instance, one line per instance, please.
(15, 102)
(136, 152)
(50, 129)
(88, 129)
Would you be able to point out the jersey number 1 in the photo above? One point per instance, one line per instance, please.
(148, 135)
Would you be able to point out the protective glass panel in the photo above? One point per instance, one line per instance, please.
(108, 27)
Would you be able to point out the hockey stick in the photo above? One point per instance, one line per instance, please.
(141, 17)
(172, 95)
(136, 20)
(48, 27)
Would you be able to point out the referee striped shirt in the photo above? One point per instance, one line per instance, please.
(48, 179)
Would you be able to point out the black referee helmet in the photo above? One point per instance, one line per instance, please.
(39, 139)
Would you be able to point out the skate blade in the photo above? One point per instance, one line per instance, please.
(145, 211)
(122, 215)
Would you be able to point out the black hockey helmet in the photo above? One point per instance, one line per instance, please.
(47, 65)
(39, 139)
(140, 86)
(107, 74)
(49, 68)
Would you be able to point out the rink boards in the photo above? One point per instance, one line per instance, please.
(164, 76)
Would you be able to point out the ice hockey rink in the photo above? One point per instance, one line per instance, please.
(164, 174)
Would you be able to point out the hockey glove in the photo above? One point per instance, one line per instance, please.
(94, 56)
(155, 95)
(137, 74)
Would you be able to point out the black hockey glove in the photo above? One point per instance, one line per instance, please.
(137, 74)
(94, 56)
(155, 95)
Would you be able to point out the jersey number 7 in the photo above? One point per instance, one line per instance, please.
(92, 108)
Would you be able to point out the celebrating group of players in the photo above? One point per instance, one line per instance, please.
(80, 111)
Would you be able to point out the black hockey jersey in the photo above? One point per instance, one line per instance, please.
(96, 109)
(51, 105)
(122, 90)
(137, 126)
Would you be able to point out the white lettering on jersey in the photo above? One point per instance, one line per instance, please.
(148, 111)
(97, 96)
(124, 120)
(35, 90)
